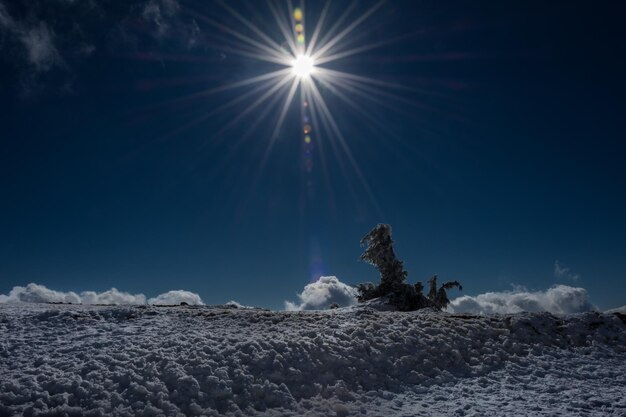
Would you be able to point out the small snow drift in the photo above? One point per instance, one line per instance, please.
(621, 310)
(323, 293)
(236, 304)
(176, 297)
(35, 293)
(560, 299)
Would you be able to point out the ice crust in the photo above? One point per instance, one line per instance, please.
(165, 361)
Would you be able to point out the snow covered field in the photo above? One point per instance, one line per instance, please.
(93, 360)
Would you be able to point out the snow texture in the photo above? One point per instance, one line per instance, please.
(35, 293)
(560, 299)
(322, 294)
(80, 360)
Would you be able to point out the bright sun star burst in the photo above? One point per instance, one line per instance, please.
(303, 76)
(303, 66)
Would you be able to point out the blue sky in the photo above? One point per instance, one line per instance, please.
(503, 155)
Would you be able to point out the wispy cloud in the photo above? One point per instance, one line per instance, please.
(32, 48)
(40, 48)
(6, 21)
(37, 40)
(562, 272)
(42, 43)
(158, 13)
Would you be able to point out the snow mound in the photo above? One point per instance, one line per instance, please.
(621, 310)
(145, 360)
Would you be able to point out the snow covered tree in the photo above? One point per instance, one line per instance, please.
(379, 252)
(438, 297)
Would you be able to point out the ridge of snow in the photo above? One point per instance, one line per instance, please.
(197, 360)
(621, 310)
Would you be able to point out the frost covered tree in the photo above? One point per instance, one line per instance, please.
(438, 297)
(379, 252)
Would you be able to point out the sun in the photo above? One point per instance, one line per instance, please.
(303, 66)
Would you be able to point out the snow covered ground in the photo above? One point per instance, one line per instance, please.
(197, 360)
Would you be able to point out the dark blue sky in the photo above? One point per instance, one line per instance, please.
(504, 154)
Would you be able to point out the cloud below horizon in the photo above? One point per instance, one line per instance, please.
(35, 293)
(321, 294)
(559, 299)
(176, 297)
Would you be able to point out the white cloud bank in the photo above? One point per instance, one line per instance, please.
(35, 293)
(176, 297)
(321, 294)
(560, 299)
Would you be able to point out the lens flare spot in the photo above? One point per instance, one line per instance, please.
(301, 39)
(307, 129)
(299, 28)
(297, 14)
(307, 139)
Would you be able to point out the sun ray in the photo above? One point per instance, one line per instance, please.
(369, 118)
(374, 94)
(336, 90)
(331, 31)
(252, 27)
(306, 98)
(276, 54)
(252, 54)
(219, 109)
(304, 77)
(248, 81)
(371, 94)
(347, 30)
(275, 88)
(318, 28)
(240, 141)
(344, 54)
(317, 118)
(346, 148)
(326, 72)
(286, 105)
(284, 28)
